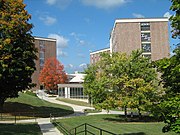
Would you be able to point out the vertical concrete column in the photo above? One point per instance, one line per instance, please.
(68, 89)
(66, 92)
(58, 91)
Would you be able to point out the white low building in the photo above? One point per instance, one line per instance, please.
(74, 88)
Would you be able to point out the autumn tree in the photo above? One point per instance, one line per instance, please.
(17, 50)
(52, 74)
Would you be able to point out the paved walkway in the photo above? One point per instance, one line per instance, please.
(47, 128)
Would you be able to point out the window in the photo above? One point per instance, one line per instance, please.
(145, 37)
(41, 62)
(146, 47)
(147, 56)
(41, 53)
(145, 26)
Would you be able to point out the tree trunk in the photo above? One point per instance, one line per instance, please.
(139, 112)
(125, 111)
(1, 104)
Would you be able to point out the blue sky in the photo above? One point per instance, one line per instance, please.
(81, 26)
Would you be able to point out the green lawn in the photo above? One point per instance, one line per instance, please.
(31, 105)
(20, 129)
(116, 124)
(81, 103)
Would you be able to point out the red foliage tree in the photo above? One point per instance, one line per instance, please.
(52, 74)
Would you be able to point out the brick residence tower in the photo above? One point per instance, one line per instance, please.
(46, 49)
(147, 34)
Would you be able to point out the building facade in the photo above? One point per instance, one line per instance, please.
(95, 56)
(147, 34)
(46, 49)
(73, 88)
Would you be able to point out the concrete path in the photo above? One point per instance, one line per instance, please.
(76, 108)
(47, 128)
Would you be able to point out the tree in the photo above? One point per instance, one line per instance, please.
(170, 104)
(121, 81)
(17, 50)
(170, 75)
(52, 74)
(175, 19)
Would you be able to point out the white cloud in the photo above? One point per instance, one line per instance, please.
(81, 42)
(167, 14)
(62, 4)
(78, 39)
(51, 2)
(61, 53)
(48, 20)
(62, 42)
(83, 65)
(104, 4)
(138, 15)
(69, 66)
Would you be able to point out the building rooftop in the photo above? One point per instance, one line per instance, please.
(101, 50)
(76, 78)
(42, 38)
(160, 19)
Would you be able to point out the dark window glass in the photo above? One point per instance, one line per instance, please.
(145, 26)
(146, 47)
(145, 37)
(147, 56)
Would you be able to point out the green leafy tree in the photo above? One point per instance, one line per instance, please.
(17, 50)
(175, 19)
(170, 104)
(170, 75)
(117, 80)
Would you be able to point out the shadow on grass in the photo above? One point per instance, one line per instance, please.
(21, 109)
(20, 129)
(122, 118)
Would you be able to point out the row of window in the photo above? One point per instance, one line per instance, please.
(41, 53)
(74, 93)
(146, 39)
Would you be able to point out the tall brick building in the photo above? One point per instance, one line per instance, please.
(147, 34)
(46, 49)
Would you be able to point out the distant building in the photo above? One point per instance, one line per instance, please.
(73, 88)
(95, 56)
(46, 49)
(147, 34)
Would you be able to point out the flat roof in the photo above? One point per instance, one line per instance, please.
(101, 50)
(47, 39)
(160, 19)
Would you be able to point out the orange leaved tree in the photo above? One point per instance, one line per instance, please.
(52, 74)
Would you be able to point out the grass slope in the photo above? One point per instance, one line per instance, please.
(116, 124)
(20, 129)
(29, 103)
